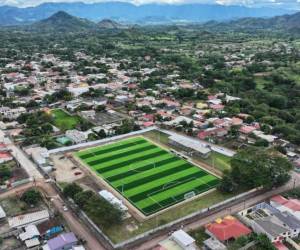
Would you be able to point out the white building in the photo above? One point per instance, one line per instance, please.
(276, 225)
(113, 199)
(30, 232)
(78, 89)
(76, 136)
(121, 98)
(184, 240)
(39, 155)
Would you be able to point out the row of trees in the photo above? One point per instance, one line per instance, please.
(256, 167)
(98, 209)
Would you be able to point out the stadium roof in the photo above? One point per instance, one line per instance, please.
(190, 143)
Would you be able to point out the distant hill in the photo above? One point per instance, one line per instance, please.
(63, 22)
(130, 13)
(286, 23)
(110, 24)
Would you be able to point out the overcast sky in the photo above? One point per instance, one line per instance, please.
(291, 4)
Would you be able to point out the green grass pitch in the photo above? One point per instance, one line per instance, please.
(149, 177)
(63, 120)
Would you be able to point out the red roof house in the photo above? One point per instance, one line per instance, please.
(280, 246)
(5, 156)
(247, 129)
(217, 107)
(148, 124)
(236, 121)
(227, 228)
(148, 118)
(219, 132)
(291, 204)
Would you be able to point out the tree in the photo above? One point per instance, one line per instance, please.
(47, 128)
(102, 134)
(264, 243)
(100, 210)
(234, 131)
(227, 185)
(261, 143)
(100, 108)
(81, 198)
(71, 190)
(31, 197)
(253, 167)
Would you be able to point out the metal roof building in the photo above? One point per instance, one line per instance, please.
(190, 144)
(28, 219)
(112, 199)
(184, 240)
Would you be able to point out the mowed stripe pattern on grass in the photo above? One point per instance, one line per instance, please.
(149, 177)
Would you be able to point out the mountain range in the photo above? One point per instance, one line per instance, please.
(64, 22)
(286, 23)
(130, 13)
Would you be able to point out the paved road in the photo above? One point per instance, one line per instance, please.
(74, 224)
(20, 156)
(294, 182)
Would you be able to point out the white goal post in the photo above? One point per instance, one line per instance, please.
(189, 195)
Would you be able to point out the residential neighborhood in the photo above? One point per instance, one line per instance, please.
(163, 137)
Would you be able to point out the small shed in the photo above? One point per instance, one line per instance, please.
(214, 244)
(32, 242)
(184, 240)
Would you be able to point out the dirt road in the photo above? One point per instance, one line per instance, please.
(74, 224)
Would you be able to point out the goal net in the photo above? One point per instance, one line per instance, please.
(189, 195)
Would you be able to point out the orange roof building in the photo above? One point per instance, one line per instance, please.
(227, 228)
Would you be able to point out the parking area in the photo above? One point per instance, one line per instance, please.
(65, 170)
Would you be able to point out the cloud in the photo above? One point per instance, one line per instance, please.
(292, 4)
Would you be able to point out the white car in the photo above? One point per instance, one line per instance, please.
(65, 208)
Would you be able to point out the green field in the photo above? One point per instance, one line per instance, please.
(63, 120)
(149, 177)
(219, 161)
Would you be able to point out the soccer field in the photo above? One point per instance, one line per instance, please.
(149, 177)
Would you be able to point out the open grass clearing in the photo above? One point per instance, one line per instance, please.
(63, 120)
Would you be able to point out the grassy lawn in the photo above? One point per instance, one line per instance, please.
(121, 232)
(13, 206)
(219, 161)
(63, 120)
(148, 176)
